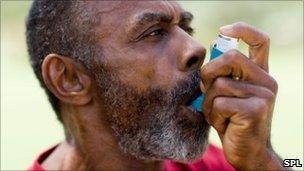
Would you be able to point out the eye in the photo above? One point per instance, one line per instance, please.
(157, 32)
(187, 29)
(153, 33)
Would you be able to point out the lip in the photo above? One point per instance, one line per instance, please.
(192, 96)
(190, 113)
(191, 108)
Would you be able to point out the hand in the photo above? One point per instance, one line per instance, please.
(241, 110)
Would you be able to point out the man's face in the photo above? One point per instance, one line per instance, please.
(146, 76)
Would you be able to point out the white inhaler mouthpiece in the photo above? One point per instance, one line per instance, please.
(222, 45)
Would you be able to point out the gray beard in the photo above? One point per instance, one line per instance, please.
(150, 125)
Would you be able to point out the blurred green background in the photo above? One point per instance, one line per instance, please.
(29, 126)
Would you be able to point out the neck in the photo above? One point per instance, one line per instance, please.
(92, 147)
(67, 157)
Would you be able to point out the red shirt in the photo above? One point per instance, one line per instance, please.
(213, 159)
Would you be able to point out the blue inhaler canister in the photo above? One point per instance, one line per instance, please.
(222, 45)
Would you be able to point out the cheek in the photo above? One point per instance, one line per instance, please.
(166, 72)
(133, 69)
(146, 71)
(144, 67)
(139, 74)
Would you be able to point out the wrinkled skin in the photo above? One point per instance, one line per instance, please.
(129, 109)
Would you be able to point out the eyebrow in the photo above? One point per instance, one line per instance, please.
(150, 17)
(158, 17)
(186, 17)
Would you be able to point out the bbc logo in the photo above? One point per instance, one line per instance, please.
(292, 163)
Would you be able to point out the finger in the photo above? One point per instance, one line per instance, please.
(201, 83)
(234, 64)
(226, 87)
(223, 109)
(257, 40)
(202, 87)
(240, 112)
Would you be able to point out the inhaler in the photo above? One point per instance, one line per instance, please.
(222, 45)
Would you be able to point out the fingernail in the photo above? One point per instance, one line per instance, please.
(207, 118)
(208, 121)
(226, 29)
(202, 87)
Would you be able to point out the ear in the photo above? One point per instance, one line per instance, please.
(66, 79)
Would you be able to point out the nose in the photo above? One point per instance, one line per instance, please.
(192, 56)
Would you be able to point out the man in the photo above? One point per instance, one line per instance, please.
(120, 77)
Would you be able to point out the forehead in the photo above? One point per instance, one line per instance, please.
(112, 12)
(114, 7)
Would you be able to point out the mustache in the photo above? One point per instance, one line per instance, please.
(184, 88)
(114, 91)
